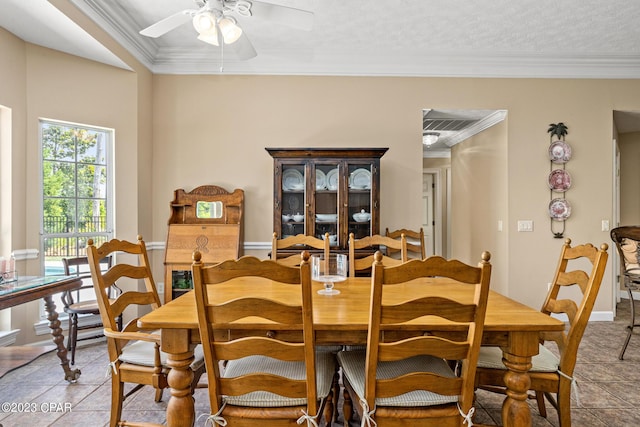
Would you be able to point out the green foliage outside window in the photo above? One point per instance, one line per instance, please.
(74, 184)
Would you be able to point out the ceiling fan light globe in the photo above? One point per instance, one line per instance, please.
(204, 22)
(210, 37)
(230, 30)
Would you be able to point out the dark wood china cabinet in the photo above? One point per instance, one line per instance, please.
(327, 190)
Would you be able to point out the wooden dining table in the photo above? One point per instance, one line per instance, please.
(343, 320)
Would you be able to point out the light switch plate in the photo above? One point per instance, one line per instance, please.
(525, 225)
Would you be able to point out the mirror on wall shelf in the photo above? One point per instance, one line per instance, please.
(208, 209)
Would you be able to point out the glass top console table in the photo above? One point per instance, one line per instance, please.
(32, 288)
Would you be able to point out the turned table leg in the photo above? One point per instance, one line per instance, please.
(181, 408)
(70, 375)
(517, 359)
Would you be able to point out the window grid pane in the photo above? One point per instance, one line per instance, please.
(75, 197)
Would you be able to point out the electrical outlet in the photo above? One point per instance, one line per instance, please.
(605, 225)
(525, 225)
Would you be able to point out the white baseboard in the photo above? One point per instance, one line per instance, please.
(622, 294)
(8, 338)
(596, 316)
(42, 327)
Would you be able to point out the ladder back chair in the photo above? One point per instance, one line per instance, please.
(550, 374)
(273, 375)
(298, 242)
(363, 265)
(415, 242)
(626, 239)
(134, 355)
(402, 381)
(76, 305)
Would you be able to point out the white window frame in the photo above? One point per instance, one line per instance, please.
(109, 135)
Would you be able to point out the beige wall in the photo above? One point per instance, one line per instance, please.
(185, 131)
(42, 83)
(199, 140)
(479, 187)
(214, 130)
(13, 87)
(629, 144)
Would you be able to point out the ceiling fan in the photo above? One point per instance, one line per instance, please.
(216, 22)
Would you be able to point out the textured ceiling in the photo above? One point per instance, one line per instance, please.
(409, 37)
(481, 38)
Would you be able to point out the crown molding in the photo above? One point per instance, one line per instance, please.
(119, 25)
(206, 60)
(486, 122)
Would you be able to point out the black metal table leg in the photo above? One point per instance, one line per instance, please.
(632, 324)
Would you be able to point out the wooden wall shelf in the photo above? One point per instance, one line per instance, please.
(209, 219)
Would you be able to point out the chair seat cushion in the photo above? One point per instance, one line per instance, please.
(325, 371)
(143, 353)
(630, 251)
(83, 307)
(544, 361)
(353, 368)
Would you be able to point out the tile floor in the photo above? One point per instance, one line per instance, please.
(608, 392)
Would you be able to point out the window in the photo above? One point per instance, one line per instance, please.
(76, 192)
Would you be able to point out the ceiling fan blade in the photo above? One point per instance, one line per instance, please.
(242, 48)
(295, 18)
(167, 24)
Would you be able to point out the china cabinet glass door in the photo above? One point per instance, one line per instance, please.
(327, 199)
(293, 206)
(359, 208)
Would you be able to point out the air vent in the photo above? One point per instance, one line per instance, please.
(454, 126)
(446, 125)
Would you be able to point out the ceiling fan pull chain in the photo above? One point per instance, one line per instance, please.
(221, 57)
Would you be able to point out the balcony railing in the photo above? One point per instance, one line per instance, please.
(75, 241)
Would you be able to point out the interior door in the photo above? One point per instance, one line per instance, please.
(617, 286)
(428, 214)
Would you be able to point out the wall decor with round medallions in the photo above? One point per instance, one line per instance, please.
(559, 180)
